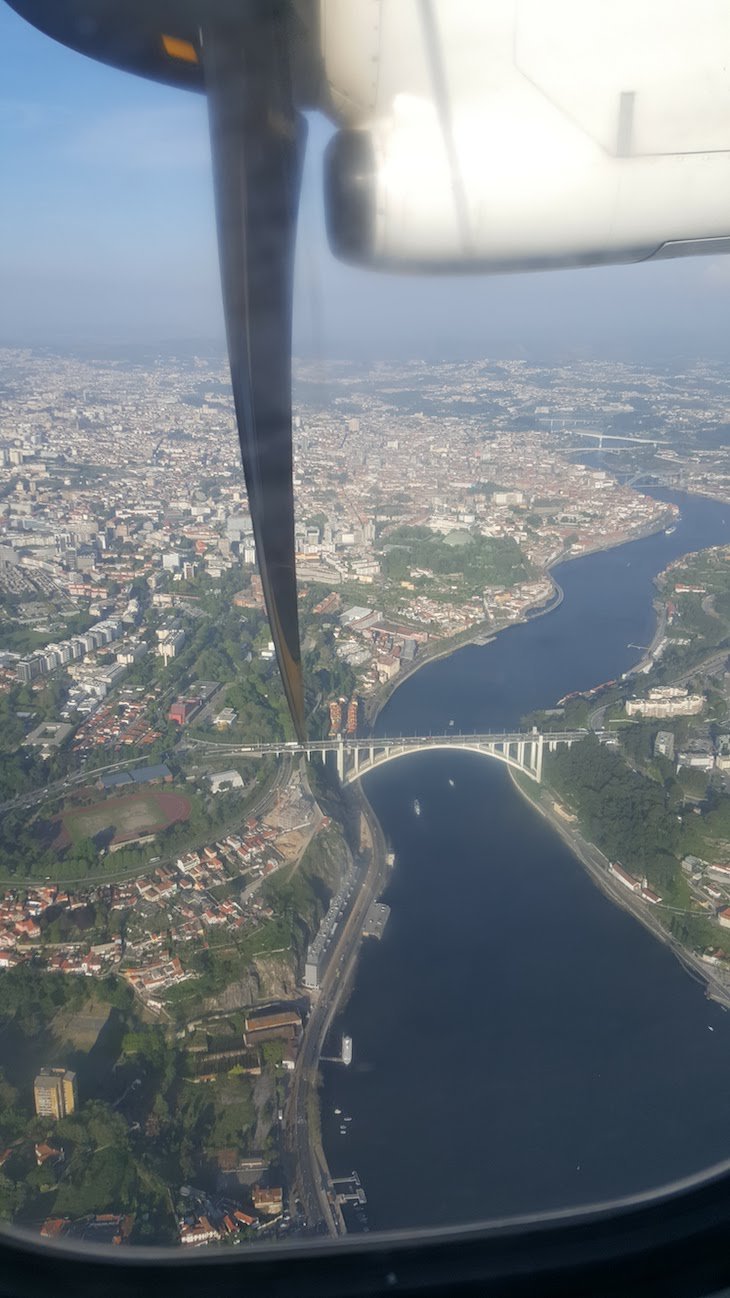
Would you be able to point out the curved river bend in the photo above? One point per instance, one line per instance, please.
(520, 1042)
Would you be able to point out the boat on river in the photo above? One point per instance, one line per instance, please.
(416, 807)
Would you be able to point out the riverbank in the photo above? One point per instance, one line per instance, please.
(648, 658)
(576, 1037)
(481, 634)
(310, 1175)
(345, 961)
(596, 865)
(485, 632)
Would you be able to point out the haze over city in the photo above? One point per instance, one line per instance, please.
(107, 236)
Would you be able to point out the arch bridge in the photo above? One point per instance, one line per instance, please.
(521, 750)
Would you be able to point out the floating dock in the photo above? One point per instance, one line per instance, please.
(376, 920)
(348, 1189)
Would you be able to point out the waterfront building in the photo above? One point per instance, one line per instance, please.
(623, 876)
(320, 949)
(564, 814)
(55, 1093)
(285, 1025)
(268, 1199)
(666, 701)
(199, 1231)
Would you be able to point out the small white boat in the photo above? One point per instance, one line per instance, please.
(416, 807)
(451, 722)
(338, 1112)
(451, 784)
(669, 530)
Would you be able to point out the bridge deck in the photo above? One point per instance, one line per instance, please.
(350, 743)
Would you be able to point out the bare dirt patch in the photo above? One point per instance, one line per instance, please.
(145, 812)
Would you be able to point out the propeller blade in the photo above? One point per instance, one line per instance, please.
(258, 143)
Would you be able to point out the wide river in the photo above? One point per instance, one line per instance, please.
(520, 1042)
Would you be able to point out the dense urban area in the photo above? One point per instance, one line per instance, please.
(164, 895)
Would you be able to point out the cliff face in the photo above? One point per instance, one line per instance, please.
(304, 895)
(301, 897)
(268, 977)
(322, 868)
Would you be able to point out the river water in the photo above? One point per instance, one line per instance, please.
(520, 1042)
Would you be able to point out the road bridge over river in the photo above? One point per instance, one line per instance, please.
(521, 749)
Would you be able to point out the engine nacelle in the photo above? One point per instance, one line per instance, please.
(499, 189)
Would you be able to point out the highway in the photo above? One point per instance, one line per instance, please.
(43, 792)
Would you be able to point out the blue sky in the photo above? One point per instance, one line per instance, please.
(107, 233)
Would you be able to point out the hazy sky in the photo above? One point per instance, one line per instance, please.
(107, 233)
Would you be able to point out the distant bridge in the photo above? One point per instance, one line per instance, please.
(658, 478)
(601, 437)
(522, 750)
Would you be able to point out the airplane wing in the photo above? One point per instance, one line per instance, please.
(525, 134)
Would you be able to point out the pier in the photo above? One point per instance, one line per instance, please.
(376, 920)
(348, 1189)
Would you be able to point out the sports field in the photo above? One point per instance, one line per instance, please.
(139, 813)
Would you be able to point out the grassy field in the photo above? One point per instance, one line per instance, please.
(139, 813)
